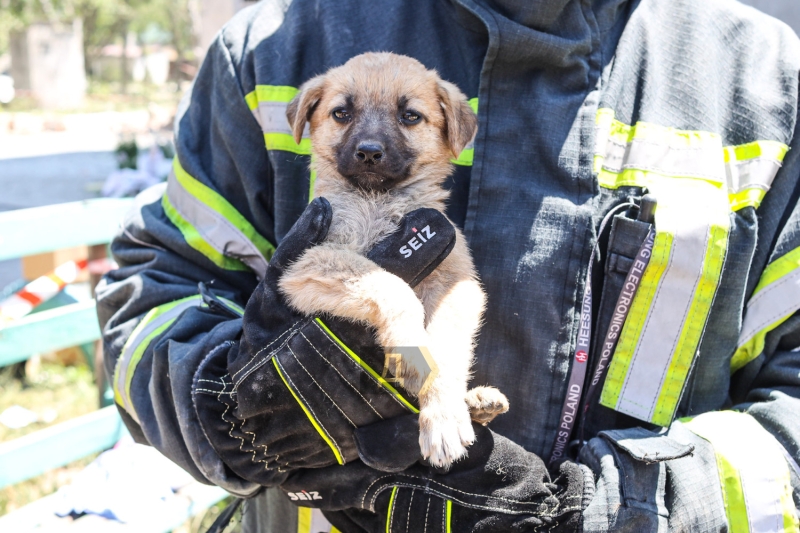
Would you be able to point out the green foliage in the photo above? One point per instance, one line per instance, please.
(126, 154)
(108, 21)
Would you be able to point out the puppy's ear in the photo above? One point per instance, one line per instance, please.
(461, 121)
(302, 106)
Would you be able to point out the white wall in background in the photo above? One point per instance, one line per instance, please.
(786, 10)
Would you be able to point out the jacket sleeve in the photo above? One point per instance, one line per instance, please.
(206, 229)
(732, 470)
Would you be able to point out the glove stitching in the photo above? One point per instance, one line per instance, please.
(500, 498)
(320, 387)
(553, 512)
(427, 510)
(252, 361)
(356, 364)
(233, 426)
(408, 517)
(214, 392)
(308, 405)
(255, 448)
(267, 357)
(340, 375)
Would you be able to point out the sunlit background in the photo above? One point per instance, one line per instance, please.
(88, 93)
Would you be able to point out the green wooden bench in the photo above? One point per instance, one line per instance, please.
(44, 229)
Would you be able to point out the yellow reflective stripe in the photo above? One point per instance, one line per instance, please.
(747, 198)
(196, 241)
(271, 93)
(660, 337)
(733, 496)
(467, 155)
(748, 169)
(783, 300)
(632, 329)
(693, 327)
(285, 142)
(268, 104)
(754, 476)
(390, 511)
(448, 516)
(755, 150)
(155, 322)
(252, 100)
(313, 521)
(778, 269)
(309, 414)
(218, 203)
(385, 384)
(304, 520)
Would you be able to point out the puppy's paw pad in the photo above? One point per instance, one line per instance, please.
(445, 435)
(485, 403)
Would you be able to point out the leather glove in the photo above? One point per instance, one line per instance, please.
(291, 392)
(498, 487)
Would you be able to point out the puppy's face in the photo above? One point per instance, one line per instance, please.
(381, 120)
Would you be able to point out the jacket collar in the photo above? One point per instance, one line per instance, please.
(535, 14)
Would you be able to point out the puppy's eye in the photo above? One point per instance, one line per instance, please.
(341, 114)
(410, 117)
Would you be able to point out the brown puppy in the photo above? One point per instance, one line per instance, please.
(383, 131)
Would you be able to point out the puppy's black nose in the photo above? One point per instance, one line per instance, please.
(369, 152)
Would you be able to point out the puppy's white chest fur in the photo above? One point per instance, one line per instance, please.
(362, 218)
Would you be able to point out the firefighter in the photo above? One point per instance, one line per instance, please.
(648, 354)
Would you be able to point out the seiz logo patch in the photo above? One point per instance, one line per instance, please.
(303, 495)
(423, 235)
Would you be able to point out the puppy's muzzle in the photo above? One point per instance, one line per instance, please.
(370, 152)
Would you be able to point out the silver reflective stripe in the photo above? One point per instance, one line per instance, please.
(271, 116)
(754, 477)
(751, 173)
(763, 501)
(769, 305)
(214, 228)
(670, 306)
(133, 344)
(644, 154)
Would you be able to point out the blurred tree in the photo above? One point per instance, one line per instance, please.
(109, 21)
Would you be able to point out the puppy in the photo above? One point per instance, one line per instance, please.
(383, 132)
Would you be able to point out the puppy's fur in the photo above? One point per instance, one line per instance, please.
(383, 131)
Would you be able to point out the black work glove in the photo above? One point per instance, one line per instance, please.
(499, 487)
(294, 389)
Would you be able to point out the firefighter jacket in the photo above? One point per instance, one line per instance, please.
(583, 106)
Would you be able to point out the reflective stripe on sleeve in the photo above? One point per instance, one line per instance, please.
(685, 172)
(212, 226)
(750, 170)
(754, 476)
(153, 324)
(774, 300)
(268, 104)
(625, 155)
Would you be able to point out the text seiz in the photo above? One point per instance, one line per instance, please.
(423, 235)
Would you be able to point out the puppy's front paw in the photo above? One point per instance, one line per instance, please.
(444, 434)
(485, 403)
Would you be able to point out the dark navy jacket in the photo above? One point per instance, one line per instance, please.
(582, 105)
